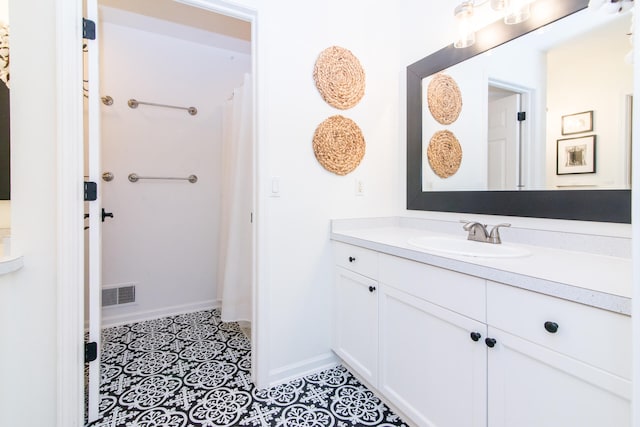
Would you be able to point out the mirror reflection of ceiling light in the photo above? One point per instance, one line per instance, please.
(611, 6)
(512, 12)
(616, 6)
(517, 11)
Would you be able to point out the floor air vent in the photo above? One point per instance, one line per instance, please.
(120, 295)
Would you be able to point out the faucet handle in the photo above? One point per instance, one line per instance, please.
(494, 235)
(477, 231)
(469, 224)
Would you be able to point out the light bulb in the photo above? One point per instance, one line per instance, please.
(464, 19)
(517, 11)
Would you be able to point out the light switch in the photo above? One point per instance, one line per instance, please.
(275, 187)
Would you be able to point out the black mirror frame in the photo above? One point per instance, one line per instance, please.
(5, 144)
(583, 205)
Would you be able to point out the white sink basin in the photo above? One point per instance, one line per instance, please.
(462, 246)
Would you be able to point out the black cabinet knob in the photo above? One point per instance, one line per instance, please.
(551, 327)
(475, 336)
(372, 288)
(351, 259)
(490, 342)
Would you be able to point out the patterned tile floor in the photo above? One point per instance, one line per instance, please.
(194, 370)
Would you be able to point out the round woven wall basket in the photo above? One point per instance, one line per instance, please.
(339, 77)
(338, 145)
(444, 154)
(444, 99)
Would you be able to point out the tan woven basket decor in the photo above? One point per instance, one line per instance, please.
(444, 153)
(338, 145)
(444, 99)
(339, 77)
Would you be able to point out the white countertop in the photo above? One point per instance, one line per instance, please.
(10, 264)
(596, 280)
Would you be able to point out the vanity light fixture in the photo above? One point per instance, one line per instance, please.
(464, 19)
(513, 12)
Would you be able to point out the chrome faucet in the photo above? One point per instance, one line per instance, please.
(478, 232)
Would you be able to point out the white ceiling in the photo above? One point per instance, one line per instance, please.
(174, 19)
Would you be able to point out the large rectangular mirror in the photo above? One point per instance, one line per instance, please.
(544, 166)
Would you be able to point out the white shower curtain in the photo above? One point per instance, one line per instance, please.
(236, 228)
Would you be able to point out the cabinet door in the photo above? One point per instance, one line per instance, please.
(355, 328)
(430, 367)
(532, 386)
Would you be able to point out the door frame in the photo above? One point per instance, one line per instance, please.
(70, 167)
(70, 210)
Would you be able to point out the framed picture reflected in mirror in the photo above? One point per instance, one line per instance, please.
(576, 155)
(577, 123)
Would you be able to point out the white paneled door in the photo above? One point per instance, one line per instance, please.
(504, 142)
(95, 213)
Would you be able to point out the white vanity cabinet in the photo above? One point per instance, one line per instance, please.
(355, 306)
(451, 349)
(555, 362)
(433, 360)
(430, 368)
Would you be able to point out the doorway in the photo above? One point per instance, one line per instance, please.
(507, 137)
(164, 82)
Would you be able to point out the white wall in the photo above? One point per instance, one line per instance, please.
(295, 274)
(164, 234)
(28, 297)
(5, 213)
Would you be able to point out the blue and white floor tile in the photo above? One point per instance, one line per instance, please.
(194, 370)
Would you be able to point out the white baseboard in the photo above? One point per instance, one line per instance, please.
(123, 319)
(302, 369)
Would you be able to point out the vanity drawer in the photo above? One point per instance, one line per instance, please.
(356, 259)
(598, 337)
(457, 292)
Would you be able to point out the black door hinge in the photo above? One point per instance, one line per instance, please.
(88, 29)
(90, 191)
(90, 351)
(522, 116)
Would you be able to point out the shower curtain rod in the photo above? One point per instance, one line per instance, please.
(133, 103)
